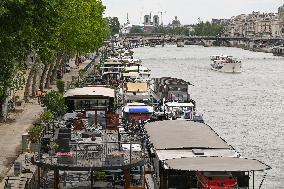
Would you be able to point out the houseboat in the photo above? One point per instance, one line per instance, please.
(181, 158)
(137, 73)
(172, 89)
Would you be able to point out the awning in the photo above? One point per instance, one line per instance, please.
(90, 92)
(138, 110)
(216, 164)
(131, 74)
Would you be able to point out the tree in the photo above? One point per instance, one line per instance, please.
(208, 29)
(15, 38)
(55, 103)
(113, 24)
(136, 29)
(52, 30)
(60, 86)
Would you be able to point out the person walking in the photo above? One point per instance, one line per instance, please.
(39, 95)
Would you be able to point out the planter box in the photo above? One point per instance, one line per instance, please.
(34, 147)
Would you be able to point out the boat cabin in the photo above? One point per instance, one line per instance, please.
(136, 73)
(112, 69)
(182, 158)
(134, 112)
(172, 89)
(90, 99)
(138, 92)
(180, 110)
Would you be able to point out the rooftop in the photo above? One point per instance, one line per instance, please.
(90, 91)
(178, 104)
(175, 134)
(216, 164)
(137, 87)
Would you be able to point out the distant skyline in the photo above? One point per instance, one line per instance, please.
(187, 11)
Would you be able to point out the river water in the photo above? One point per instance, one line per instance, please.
(246, 109)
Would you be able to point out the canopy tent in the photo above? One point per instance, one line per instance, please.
(139, 110)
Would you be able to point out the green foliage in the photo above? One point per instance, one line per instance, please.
(53, 146)
(34, 133)
(208, 29)
(113, 24)
(282, 30)
(136, 29)
(49, 29)
(100, 176)
(47, 116)
(60, 86)
(14, 27)
(82, 73)
(55, 103)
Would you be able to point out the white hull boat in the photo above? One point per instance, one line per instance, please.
(226, 64)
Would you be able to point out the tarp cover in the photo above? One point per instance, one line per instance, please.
(216, 164)
(180, 134)
(138, 110)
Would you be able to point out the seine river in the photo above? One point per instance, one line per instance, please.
(246, 109)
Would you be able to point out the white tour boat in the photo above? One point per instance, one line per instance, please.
(224, 63)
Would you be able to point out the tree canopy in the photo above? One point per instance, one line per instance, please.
(114, 25)
(208, 29)
(136, 29)
(48, 29)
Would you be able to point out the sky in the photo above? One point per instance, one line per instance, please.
(187, 11)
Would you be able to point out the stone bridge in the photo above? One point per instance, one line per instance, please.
(138, 39)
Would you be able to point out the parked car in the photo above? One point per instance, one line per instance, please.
(216, 180)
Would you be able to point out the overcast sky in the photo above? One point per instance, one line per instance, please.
(188, 11)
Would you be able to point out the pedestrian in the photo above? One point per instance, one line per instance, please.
(39, 95)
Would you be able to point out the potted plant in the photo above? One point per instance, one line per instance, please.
(34, 137)
(53, 146)
(100, 178)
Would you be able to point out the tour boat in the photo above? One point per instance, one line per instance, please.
(227, 64)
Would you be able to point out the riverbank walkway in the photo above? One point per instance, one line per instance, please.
(23, 119)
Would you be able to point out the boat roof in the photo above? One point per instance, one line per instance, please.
(130, 74)
(181, 134)
(136, 68)
(138, 109)
(137, 87)
(136, 104)
(90, 91)
(174, 154)
(222, 56)
(216, 164)
(179, 104)
(170, 81)
(112, 62)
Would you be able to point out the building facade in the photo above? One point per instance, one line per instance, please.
(256, 24)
